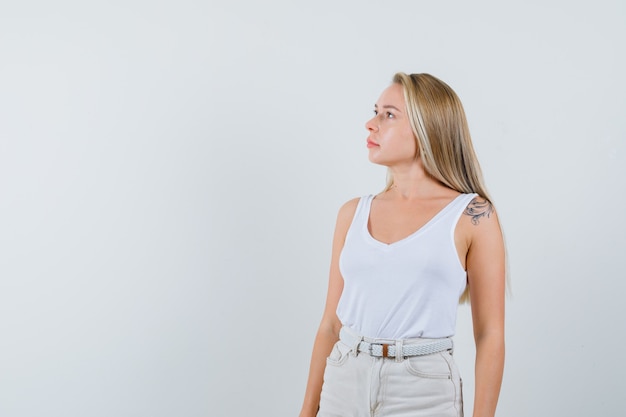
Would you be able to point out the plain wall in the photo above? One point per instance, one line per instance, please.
(170, 174)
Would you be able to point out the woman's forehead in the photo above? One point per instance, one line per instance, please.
(392, 95)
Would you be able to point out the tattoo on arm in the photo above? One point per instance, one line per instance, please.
(479, 207)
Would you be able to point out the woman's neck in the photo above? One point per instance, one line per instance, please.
(413, 182)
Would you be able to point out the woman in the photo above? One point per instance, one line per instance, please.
(400, 262)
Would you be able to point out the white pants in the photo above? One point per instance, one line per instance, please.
(359, 385)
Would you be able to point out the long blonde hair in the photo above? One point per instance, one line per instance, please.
(442, 135)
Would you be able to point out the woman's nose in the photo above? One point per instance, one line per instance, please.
(371, 124)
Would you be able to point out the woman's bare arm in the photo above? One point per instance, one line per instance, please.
(486, 277)
(328, 332)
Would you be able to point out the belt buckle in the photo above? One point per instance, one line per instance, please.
(384, 346)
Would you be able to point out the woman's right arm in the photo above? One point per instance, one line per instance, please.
(328, 332)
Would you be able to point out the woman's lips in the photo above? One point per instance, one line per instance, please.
(371, 144)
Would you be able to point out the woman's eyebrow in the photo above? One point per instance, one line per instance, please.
(388, 106)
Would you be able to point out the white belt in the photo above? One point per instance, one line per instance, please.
(388, 350)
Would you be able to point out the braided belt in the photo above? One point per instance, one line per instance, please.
(385, 350)
(388, 350)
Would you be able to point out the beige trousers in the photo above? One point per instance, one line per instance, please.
(359, 385)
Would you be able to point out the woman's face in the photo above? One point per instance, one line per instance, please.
(390, 141)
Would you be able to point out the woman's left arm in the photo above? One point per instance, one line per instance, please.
(486, 274)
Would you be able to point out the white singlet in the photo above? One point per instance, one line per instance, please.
(406, 289)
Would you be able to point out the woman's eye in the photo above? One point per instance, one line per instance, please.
(375, 112)
(390, 115)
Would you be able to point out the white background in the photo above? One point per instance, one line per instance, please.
(170, 172)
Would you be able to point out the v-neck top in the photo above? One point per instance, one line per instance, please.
(406, 289)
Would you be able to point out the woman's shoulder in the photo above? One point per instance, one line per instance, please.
(349, 207)
(479, 209)
(479, 219)
(348, 210)
(344, 218)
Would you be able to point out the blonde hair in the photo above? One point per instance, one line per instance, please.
(443, 140)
